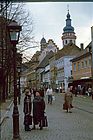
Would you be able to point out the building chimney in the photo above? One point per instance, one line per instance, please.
(82, 46)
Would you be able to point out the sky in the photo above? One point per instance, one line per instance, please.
(49, 19)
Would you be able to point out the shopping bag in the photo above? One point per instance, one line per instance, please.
(45, 122)
(53, 97)
(27, 120)
(30, 120)
(65, 106)
(71, 106)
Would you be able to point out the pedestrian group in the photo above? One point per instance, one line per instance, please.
(39, 117)
(37, 106)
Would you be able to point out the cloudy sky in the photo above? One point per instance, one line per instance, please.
(49, 20)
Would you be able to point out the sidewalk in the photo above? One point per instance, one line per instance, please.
(4, 108)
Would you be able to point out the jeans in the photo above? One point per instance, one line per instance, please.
(50, 99)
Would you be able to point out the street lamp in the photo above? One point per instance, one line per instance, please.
(14, 32)
(19, 93)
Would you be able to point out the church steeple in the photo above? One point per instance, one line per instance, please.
(43, 43)
(68, 32)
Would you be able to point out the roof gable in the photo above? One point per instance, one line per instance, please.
(70, 49)
(45, 61)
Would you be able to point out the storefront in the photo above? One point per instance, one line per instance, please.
(83, 82)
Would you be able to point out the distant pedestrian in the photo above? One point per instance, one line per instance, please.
(90, 91)
(27, 110)
(68, 100)
(92, 94)
(34, 91)
(49, 93)
(75, 91)
(41, 91)
(38, 111)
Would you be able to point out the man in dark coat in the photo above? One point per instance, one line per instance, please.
(27, 110)
(38, 110)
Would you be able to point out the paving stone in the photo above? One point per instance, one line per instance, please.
(77, 125)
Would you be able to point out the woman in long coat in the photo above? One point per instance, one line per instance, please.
(38, 110)
(27, 110)
(68, 100)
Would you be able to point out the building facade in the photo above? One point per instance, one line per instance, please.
(82, 68)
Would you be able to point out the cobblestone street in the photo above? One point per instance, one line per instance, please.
(77, 125)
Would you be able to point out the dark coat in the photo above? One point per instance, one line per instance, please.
(27, 109)
(27, 105)
(38, 109)
(41, 91)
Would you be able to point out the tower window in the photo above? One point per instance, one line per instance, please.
(65, 41)
(70, 41)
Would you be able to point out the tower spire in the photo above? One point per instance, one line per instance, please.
(68, 8)
(68, 31)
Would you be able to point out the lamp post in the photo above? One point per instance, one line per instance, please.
(19, 93)
(14, 32)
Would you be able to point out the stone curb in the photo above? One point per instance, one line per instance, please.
(5, 115)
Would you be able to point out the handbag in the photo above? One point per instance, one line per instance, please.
(65, 106)
(28, 120)
(45, 122)
(71, 105)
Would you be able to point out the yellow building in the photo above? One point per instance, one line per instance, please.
(81, 67)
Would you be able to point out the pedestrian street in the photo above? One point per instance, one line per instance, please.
(77, 125)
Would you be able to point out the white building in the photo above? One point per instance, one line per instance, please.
(46, 48)
(64, 71)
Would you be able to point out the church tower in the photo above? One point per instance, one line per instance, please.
(43, 44)
(68, 35)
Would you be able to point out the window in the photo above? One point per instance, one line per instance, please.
(78, 65)
(74, 66)
(71, 72)
(82, 64)
(70, 41)
(85, 63)
(89, 62)
(65, 41)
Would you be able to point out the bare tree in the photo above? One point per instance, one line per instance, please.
(13, 11)
(17, 12)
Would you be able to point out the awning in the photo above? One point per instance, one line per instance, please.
(84, 77)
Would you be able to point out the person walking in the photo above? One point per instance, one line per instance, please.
(68, 100)
(38, 111)
(27, 110)
(41, 91)
(49, 93)
(75, 91)
(90, 91)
